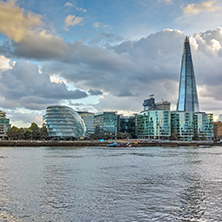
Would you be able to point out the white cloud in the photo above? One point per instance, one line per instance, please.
(202, 7)
(72, 20)
(81, 9)
(68, 4)
(166, 1)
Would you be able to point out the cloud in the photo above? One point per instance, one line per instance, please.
(81, 9)
(68, 4)
(15, 24)
(99, 25)
(202, 7)
(166, 1)
(72, 20)
(95, 92)
(24, 86)
(132, 70)
(29, 39)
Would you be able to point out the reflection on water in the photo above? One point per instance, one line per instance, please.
(110, 184)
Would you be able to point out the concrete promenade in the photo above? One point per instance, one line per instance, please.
(28, 143)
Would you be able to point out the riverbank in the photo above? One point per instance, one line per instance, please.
(23, 143)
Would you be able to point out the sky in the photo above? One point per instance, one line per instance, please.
(105, 55)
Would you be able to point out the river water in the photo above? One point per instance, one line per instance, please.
(110, 184)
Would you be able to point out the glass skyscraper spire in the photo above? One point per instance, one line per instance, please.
(187, 100)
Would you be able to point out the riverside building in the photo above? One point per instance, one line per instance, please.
(88, 119)
(63, 123)
(4, 125)
(127, 125)
(188, 123)
(106, 123)
(153, 123)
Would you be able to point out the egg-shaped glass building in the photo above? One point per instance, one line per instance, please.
(63, 123)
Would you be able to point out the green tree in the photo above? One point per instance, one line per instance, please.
(20, 134)
(196, 136)
(43, 133)
(121, 135)
(34, 128)
(28, 134)
(12, 133)
(174, 136)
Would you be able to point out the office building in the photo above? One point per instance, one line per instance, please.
(4, 125)
(218, 131)
(63, 123)
(127, 125)
(187, 99)
(149, 104)
(88, 119)
(153, 124)
(106, 123)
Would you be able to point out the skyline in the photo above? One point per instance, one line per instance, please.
(105, 56)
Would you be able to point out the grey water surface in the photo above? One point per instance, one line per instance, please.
(110, 184)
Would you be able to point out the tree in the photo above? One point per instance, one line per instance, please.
(43, 133)
(34, 128)
(12, 133)
(174, 136)
(196, 136)
(125, 135)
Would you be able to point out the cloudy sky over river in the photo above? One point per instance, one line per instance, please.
(105, 55)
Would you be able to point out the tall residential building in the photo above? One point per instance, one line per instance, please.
(187, 100)
(63, 123)
(4, 124)
(88, 118)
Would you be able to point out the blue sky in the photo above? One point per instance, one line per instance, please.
(105, 55)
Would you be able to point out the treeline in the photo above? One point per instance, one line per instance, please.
(34, 132)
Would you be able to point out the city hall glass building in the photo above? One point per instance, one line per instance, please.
(63, 123)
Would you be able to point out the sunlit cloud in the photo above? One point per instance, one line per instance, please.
(15, 24)
(72, 20)
(202, 7)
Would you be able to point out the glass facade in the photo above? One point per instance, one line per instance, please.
(192, 126)
(182, 124)
(106, 122)
(127, 125)
(88, 119)
(203, 125)
(4, 124)
(153, 124)
(63, 123)
(187, 100)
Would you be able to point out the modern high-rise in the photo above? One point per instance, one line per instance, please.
(187, 100)
(188, 123)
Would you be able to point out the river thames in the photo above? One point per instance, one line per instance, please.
(110, 184)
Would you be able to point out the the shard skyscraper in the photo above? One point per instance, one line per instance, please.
(187, 100)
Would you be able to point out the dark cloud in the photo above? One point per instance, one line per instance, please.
(24, 86)
(127, 72)
(95, 92)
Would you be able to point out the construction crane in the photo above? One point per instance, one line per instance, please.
(164, 105)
